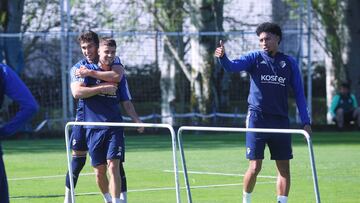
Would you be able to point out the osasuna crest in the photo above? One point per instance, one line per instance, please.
(282, 64)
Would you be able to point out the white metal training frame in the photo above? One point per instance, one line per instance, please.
(264, 130)
(134, 125)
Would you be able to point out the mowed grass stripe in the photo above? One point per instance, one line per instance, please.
(147, 155)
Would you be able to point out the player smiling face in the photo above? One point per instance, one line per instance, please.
(269, 42)
(107, 51)
(89, 50)
(106, 54)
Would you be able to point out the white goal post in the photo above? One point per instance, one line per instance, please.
(263, 130)
(133, 125)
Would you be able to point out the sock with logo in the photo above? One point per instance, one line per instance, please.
(77, 164)
(282, 199)
(246, 197)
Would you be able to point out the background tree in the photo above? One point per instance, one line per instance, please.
(222, 77)
(169, 18)
(38, 18)
(352, 16)
(331, 15)
(204, 17)
(43, 16)
(11, 12)
(340, 21)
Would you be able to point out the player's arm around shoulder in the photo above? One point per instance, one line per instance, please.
(76, 81)
(80, 91)
(114, 75)
(76, 89)
(118, 72)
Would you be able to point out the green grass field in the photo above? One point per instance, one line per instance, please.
(36, 168)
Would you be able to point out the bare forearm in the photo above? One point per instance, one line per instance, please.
(108, 76)
(86, 92)
(113, 75)
(81, 92)
(130, 111)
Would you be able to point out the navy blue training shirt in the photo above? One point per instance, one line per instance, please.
(80, 107)
(104, 107)
(270, 80)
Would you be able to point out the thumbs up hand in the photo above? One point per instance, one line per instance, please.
(220, 50)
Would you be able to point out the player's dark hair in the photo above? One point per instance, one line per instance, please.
(89, 36)
(107, 41)
(270, 28)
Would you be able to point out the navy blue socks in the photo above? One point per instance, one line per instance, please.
(77, 164)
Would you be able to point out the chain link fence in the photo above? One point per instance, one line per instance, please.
(49, 56)
(141, 55)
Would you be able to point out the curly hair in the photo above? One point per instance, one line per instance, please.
(270, 28)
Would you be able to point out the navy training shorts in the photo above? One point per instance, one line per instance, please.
(105, 144)
(279, 143)
(78, 138)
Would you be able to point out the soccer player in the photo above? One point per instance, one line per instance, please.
(272, 73)
(89, 43)
(106, 144)
(12, 86)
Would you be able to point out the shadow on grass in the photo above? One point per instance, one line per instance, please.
(48, 196)
(191, 140)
